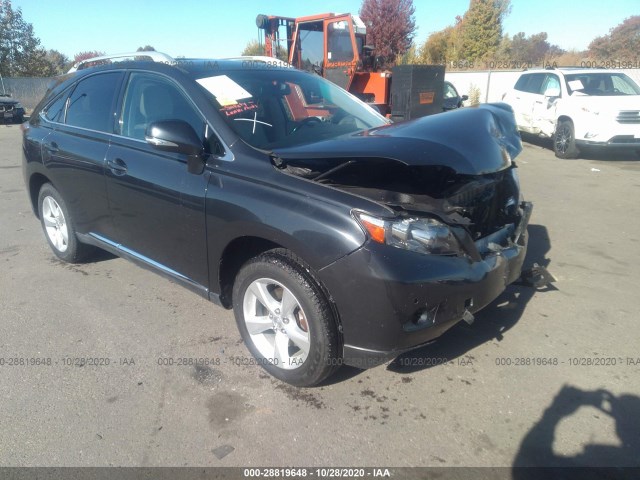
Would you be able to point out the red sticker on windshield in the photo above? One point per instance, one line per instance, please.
(238, 108)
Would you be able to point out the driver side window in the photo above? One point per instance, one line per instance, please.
(151, 98)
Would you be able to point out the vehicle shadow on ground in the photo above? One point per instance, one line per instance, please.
(101, 256)
(591, 153)
(490, 324)
(536, 448)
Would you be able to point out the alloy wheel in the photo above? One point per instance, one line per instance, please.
(55, 224)
(276, 323)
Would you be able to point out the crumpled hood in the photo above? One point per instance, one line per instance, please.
(471, 141)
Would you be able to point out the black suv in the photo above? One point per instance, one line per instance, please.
(335, 236)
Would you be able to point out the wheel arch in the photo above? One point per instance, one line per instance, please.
(241, 249)
(563, 118)
(236, 253)
(36, 181)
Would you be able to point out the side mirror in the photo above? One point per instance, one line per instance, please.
(552, 92)
(464, 98)
(179, 137)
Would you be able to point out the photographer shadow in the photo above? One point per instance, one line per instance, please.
(491, 323)
(536, 448)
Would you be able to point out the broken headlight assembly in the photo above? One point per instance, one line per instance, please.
(422, 235)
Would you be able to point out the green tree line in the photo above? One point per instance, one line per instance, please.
(477, 40)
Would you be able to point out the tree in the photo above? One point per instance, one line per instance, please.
(19, 53)
(443, 46)
(390, 25)
(436, 47)
(253, 49)
(79, 57)
(146, 48)
(482, 28)
(533, 49)
(56, 63)
(622, 44)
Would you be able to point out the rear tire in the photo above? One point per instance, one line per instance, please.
(285, 320)
(564, 140)
(59, 227)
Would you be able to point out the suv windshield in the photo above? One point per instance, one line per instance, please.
(281, 108)
(601, 84)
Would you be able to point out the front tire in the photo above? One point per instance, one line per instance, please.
(58, 226)
(285, 320)
(564, 140)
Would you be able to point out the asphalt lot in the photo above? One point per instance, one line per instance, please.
(546, 377)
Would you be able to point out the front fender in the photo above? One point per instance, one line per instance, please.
(320, 232)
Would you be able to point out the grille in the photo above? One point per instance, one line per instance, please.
(6, 108)
(628, 116)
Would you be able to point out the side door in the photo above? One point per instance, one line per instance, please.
(156, 204)
(543, 118)
(339, 62)
(524, 97)
(75, 150)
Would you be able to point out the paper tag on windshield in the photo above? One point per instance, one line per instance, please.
(576, 85)
(226, 91)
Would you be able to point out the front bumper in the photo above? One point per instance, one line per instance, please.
(608, 134)
(617, 142)
(392, 300)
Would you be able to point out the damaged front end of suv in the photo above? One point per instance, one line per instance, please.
(451, 233)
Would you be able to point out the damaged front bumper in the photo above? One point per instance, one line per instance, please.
(391, 300)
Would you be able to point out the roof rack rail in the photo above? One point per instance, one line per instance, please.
(154, 56)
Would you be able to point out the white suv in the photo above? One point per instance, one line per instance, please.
(578, 107)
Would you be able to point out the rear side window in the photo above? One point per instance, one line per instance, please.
(530, 83)
(91, 104)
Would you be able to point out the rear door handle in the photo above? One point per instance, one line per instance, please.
(117, 166)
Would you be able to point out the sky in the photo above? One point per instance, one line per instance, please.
(213, 29)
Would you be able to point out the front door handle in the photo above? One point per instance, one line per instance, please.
(52, 147)
(117, 166)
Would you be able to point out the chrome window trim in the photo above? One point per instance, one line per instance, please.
(227, 156)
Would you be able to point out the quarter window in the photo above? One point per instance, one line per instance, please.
(91, 104)
(55, 111)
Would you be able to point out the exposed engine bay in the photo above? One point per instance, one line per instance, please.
(483, 204)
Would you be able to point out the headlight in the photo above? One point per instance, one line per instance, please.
(423, 235)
